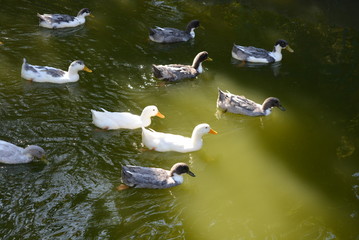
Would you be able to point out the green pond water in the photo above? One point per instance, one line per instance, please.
(290, 175)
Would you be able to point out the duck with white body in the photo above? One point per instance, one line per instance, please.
(53, 75)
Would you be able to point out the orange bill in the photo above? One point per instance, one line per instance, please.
(122, 187)
(211, 131)
(160, 115)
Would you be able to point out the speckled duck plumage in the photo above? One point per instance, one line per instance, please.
(259, 55)
(176, 72)
(229, 102)
(172, 35)
(55, 21)
(54, 75)
(158, 178)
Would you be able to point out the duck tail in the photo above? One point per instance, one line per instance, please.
(221, 95)
(156, 72)
(93, 113)
(152, 32)
(24, 60)
(41, 18)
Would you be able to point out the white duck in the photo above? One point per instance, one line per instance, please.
(12, 154)
(62, 20)
(164, 142)
(53, 75)
(116, 120)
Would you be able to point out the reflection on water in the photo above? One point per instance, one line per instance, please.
(289, 175)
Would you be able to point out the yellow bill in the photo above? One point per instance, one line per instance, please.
(289, 49)
(87, 69)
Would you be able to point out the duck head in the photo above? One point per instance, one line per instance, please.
(151, 111)
(197, 61)
(270, 103)
(282, 44)
(191, 26)
(78, 65)
(84, 13)
(181, 168)
(35, 151)
(202, 129)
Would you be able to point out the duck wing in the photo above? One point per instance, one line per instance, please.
(172, 34)
(174, 72)
(235, 103)
(9, 153)
(243, 102)
(54, 72)
(252, 51)
(252, 54)
(163, 142)
(56, 18)
(169, 35)
(144, 177)
(116, 120)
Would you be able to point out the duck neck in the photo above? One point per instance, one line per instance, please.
(196, 139)
(28, 157)
(73, 74)
(197, 64)
(177, 178)
(81, 19)
(277, 53)
(266, 108)
(146, 121)
(191, 32)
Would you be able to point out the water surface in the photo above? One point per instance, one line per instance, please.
(290, 175)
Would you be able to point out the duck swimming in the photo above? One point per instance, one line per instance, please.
(176, 72)
(165, 142)
(116, 120)
(62, 20)
(229, 102)
(258, 55)
(12, 154)
(158, 178)
(53, 75)
(172, 35)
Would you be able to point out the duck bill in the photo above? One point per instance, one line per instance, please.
(281, 108)
(160, 115)
(209, 59)
(91, 15)
(289, 49)
(191, 174)
(87, 69)
(44, 160)
(211, 131)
